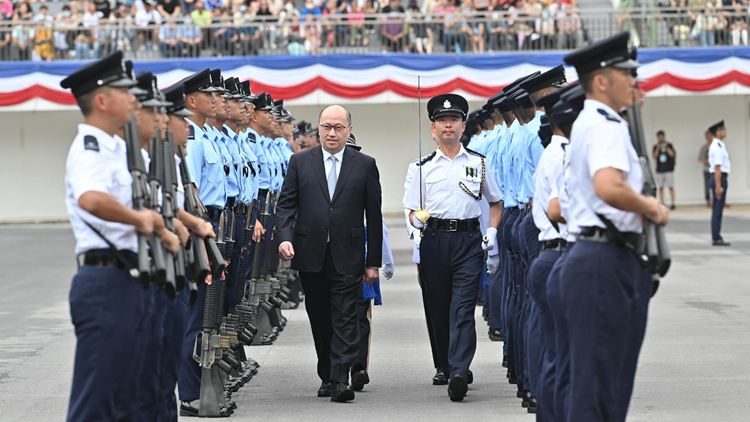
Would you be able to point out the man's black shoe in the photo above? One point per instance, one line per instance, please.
(486, 316)
(495, 334)
(505, 361)
(721, 242)
(532, 405)
(359, 379)
(189, 408)
(457, 388)
(325, 389)
(341, 393)
(470, 377)
(439, 378)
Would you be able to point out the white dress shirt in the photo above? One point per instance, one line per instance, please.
(327, 162)
(718, 156)
(98, 162)
(547, 173)
(442, 193)
(599, 140)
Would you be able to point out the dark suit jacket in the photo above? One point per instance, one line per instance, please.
(305, 195)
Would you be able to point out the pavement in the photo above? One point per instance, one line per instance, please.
(693, 366)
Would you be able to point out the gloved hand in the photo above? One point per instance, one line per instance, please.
(416, 222)
(388, 271)
(488, 242)
(493, 263)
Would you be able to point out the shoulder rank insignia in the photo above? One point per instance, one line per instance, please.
(251, 136)
(191, 132)
(609, 117)
(471, 151)
(90, 143)
(427, 158)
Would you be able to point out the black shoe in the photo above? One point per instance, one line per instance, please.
(532, 405)
(359, 379)
(495, 334)
(721, 242)
(439, 378)
(486, 316)
(470, 377)
(505, 361)
(512, 379)
(520, 392)
(457, 388)
(325, 389)
(341, 393)
(189, 408)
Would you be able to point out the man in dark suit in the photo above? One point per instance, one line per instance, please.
(329, 189)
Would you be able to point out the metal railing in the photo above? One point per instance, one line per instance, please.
(487, 32)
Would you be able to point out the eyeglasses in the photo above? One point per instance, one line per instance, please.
(337, 128)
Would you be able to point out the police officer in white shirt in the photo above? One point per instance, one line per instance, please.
(720, 167)
(444, 204)
(106, 304)
(601, 274)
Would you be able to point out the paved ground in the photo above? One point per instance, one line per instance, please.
(693, 367)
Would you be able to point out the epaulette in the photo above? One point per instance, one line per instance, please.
(427, 158)
(251, 136)
(609, 117)
(471, 151)
(191, 132)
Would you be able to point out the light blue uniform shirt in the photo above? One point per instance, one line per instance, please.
(509, 182)
(206, 167)
(243, 172)
(492, 150)
(233, 187)
(518, 156)
(251, 184)
(273, 168)
(264, 175)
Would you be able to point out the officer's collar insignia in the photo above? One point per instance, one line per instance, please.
(609, 117)
(90, 143)
(447, 104)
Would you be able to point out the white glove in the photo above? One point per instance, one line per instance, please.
(493, 263)
(417, 223)
(488, 243)
(388, 271)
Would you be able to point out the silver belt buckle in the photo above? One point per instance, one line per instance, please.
(452, 225)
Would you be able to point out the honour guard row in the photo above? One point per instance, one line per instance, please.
(171, 195)
(539, 206)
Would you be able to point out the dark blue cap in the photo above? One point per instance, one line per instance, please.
(108, 71)
(261, 102)
(717, 127)
(447, 104)
(610, 52)
(199, 81)
(217, 81)
(574, 96)
(175, 94)
(152, 98)
(548, 100)
(554, 77)
(563, 113)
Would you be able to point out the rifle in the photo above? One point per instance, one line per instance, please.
(257, 284)
(194, 206)
(170, 206)
(656, 258)
(137, 169)
(163, 259)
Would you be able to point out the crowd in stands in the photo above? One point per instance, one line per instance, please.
(88, 29)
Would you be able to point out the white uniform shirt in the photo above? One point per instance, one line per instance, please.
(441, 186)
(718, 156)
(600, 139)
(180, 189)
(546, 176)
(413, 232)
(561, 191)
(98, 162)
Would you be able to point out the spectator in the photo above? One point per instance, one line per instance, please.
(200, 16)
(721, 26)
(104, 38)
(357, 27)
(287, 15)
(191, 38)
(226, 37)
(43, 41)
(428, 7)
(6, 10)
(392, 34)
(547, 28)
(313, 33)
(333, 34)
(371, 7)
(625, 23)
(21, 40)
(60, 44)
(310, 9)
(169, 8)
(250, 37)
(103, 7)
(81, 43)
(43, 15)
(276, 6)
(703, 158)
(739, 26)
(5, 39)
(665, 159)
(91, 16)
(498, 35)
(213, 5)
(704, 27)
(268, 30)
(570, 34)
(169, 43)
(23, 12)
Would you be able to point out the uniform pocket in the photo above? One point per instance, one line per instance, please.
(434, 186)
(214, 164)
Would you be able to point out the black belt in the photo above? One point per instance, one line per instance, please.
(240, 208)
(262, 193)
(104, 258)
(231, 201)
(213, 212)
(454, 225)
(554, 245)
(597, 234)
